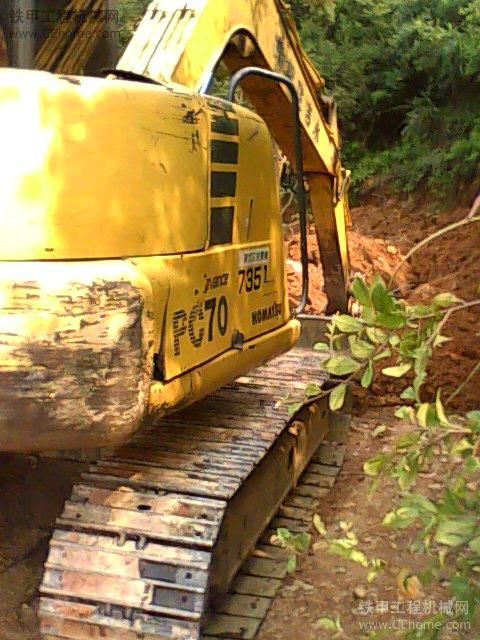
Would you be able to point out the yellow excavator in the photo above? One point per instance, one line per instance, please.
(144, 306)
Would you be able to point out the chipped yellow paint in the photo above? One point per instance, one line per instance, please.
(75, 353)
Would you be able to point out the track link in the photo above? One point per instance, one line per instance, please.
(151, 539)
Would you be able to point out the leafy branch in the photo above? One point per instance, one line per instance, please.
(397, 340)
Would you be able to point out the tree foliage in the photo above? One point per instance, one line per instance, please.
(130, 14)
(406, 75)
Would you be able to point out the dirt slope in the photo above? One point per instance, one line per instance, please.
(381, 235)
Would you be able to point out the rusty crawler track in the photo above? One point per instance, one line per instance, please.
(252, 592)
(149, 543)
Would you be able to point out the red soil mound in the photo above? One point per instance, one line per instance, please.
(380, 237)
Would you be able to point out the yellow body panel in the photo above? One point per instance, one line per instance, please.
(184, 40)
(140, 245)
(99, 168)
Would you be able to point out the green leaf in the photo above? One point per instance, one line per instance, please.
(407, 440)
(440, 410)
(450, 503)
(284, 536)
(347, 324)
(473, 418)
(444, 300)
(382, 300)
(418, 382)
(455, 531)
(367, 376)
(406, 476)
(341, 365)
(321, 346)
(312, 389)
(460, 447)
(419, 310)
(439, 340)
(377, 564)
(302, 542)
(359, 557)
(408, 394)
(394, 340)
(360, 348)
(408, 344)
(360, 291)
(422, 414)
(376, 335)
(397, 372)
(298, 542)
(319, 525)
(337, 397)
(347, 544)
(401, 518)
(386, 353)
(291, 563)
(294, 407)
(461, 588)
(471, 465)
(405, 413)
(421, 503)
(379, 431)
(421, 355)
(475, 545)
(374, 466)
(326, 623)
(368, 315)
(391, 320)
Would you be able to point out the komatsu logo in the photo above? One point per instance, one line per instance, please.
(267, 313)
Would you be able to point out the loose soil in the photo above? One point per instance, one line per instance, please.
(33, 490)
(381, 235)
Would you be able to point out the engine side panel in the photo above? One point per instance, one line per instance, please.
(235, 290)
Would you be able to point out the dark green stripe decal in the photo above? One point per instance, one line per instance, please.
(226, 152)
(227, 126)
(223, 184)
(221, 225)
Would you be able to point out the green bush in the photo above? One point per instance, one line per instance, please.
(130, 14)
(406, 77)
